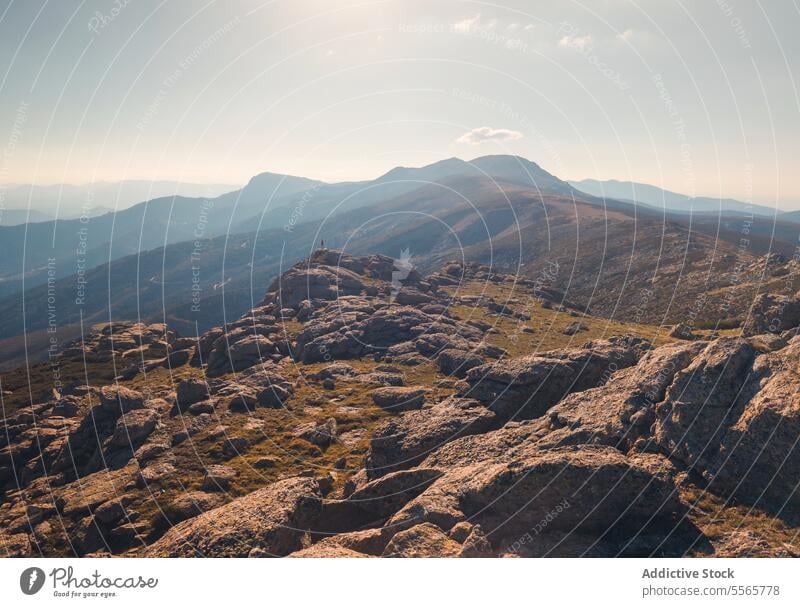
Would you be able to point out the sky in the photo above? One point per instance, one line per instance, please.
(699, 97)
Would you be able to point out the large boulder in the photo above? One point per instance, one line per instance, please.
(190, 391)
(524, 388)
(396, 398)
(758, 456)
(586, 491)
(422, 541)
(246, 351)
(133, 428)
(273, 520)
(772, 313)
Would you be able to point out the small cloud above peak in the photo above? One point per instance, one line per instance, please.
(486, 133)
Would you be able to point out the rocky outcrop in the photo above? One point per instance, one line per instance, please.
(772, 313)
(429, 438)
(406, 440)
(526, 387)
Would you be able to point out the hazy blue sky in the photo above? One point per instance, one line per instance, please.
(696, 96)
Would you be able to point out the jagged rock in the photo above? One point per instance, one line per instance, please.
(273, 519)
(15, 545)
(691, 419)
(369, 502)
(273, 397)
(155, 475)
(200, 408)
(759, 457)
(412, 297)
(476, 544)
(341, 335)
(381, 379)
(69, 406)
(332, 372)
(243, 402)
(619, 413)
(399, 399)
(312, 280)
(112, 511)
(590, 470)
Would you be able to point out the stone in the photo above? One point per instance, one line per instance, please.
(273, 397)
(134, 427)
(772, 313)
(243, 402)
(120, 399)
(265, 462)
(457, 362)
(218, 478)
(321, 434)
(206, 406)
(525, 387)
(273, 519)
(404, 441)
(189, 505)
(191, 391)
(574, 328)
(681, 331)
(421, 541)
(398, 399)
(234, 446)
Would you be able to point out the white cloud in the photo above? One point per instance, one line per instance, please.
(486, 133)
(579, 43)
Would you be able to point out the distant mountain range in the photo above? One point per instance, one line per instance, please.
(268, 201)
(67, 201)
(653, 196)
(195, 262)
